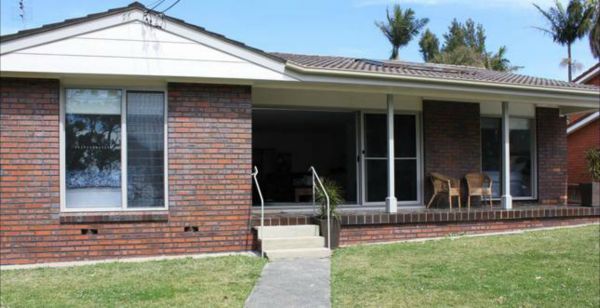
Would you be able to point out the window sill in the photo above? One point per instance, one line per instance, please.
(113, 217)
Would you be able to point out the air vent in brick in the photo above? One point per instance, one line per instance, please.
(190, 229)
(89, 231)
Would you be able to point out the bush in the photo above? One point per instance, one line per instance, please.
(335, 193)
(593, 159)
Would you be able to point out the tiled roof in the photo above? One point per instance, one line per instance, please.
(425, 70)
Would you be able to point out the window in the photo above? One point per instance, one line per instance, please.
(114, 150)
(522, 163)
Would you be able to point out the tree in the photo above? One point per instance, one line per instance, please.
(430, 46)
(401, 27)
(568, 25)
(461, 55)
(464, 44)
(498, 61)
(595, 31)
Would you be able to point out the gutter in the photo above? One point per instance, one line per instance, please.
(354, 74)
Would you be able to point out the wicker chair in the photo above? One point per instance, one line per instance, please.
(479, 185)
(445, 185)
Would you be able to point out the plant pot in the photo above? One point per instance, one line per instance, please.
(335, 230)
(590, 194)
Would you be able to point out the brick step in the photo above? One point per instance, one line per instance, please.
(293, 242)
(278, 254)
(287, 231)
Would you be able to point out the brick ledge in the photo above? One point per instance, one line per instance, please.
(113, 217)
(421, 216)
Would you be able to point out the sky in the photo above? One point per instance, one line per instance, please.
(337, 27)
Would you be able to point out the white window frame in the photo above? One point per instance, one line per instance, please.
(534, 167)
(62, 143)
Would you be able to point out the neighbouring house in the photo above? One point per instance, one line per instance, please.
(128, 133)
(583, 133)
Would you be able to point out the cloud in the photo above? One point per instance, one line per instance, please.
(482, 4)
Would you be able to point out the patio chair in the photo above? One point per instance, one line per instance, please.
(479, 185)
(445, 185)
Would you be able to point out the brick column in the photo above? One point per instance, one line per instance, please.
(552, 156)
(29, 166)
(452, 140)
(210, 158)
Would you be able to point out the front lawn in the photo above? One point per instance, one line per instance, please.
(558, 268)
(210, 282)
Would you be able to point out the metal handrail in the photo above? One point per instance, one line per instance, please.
(316, 176)
(262, 211)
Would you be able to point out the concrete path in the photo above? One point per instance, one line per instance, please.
(293, 283)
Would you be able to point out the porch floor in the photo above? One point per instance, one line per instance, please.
(378, 216)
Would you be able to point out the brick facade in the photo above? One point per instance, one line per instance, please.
(452, 140)
(579, 142)
(209, 151)
(209, 187)
(551, 156)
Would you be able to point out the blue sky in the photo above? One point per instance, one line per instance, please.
(337, 27)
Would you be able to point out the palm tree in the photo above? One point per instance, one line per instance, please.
(498, 61)
(430, 45)
(567, 26)
(595, 32)
(400, 28)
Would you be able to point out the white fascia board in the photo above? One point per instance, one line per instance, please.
(223, 46)
(165, 25)
(68, 31)
(569, 97)
(581, 123)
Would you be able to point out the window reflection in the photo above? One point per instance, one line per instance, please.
(93, 148)
(521, 155)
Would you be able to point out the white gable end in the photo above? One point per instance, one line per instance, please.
(134, 48)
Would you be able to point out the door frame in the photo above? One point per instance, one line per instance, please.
(419, 159)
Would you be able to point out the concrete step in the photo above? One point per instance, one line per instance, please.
(293, 242)
(278, 254)
(287, 231)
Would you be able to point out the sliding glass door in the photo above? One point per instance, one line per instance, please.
(285, 143)
(374, 156)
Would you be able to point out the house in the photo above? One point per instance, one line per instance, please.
(128, 133)
(583, 133)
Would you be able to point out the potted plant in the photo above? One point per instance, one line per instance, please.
(335, 193)
(590, 192)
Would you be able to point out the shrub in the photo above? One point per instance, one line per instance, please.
(335, 192)
(593, 159)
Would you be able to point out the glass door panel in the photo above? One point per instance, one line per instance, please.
(375, 157)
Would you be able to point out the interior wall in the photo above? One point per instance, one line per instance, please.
(287, 142)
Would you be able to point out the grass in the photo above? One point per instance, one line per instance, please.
(557, 268)
(209, 282)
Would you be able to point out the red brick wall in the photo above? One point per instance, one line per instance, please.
(552, 156)
(209, 161)
(594, 81)
(351, 235)
(452, 137)
(579, 142)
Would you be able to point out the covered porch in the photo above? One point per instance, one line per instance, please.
(381, 145)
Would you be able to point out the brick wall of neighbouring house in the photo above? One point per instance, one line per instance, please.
(351, 235)
(452, 137)
(209, 161)
(552, 156)
(594, 81)
(579, 142)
